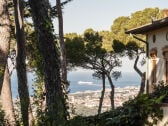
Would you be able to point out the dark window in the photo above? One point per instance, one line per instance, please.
(166, 65)
(154, 38)
(153, 55)
(167, 36)
(154, 71)
(166, 70)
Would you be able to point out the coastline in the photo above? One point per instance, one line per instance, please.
(107, 90)
(86, 103)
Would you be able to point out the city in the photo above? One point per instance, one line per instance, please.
(86, 103)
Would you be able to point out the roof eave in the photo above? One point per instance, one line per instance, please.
(149, 27)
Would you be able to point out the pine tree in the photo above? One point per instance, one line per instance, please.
(40, 10)
(20, 61)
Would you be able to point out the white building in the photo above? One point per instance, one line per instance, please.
(157, 55)
(157, 50)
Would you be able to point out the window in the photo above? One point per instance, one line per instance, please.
(153, 74)
(154, 38)
(165, 54)
(167, 36)
(166, 68)
(153, 55)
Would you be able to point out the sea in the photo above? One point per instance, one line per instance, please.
(81, 80)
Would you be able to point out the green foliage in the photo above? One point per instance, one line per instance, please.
(39, 101)
(118, 29)
(132, 46)
(42, 117)
(134, 112)
(161, 90)
(33, 55)
(143, 17)
(119, 24)
(137, 19)
(123, 23)
(118, 46)
(1, 70)
(131, 49)
(88, 53)
(54, 8)
(74, 51)
(83, 121)
(92, 56)
(3, 121)
(107, 39)
(17, 110)
(93, 44)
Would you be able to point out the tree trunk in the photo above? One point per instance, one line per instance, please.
(62, 44)
(7, 102)
(142, 75)
(135, 66)
(4, 37)
(51, 63)
(31, 118)
(102, 95)
(20, 61)
(142, 86)
(112, 92)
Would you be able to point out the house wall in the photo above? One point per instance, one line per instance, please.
(158, 45)
(160, 40)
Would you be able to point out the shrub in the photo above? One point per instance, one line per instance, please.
(133, 112)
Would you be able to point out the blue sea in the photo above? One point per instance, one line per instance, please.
(82, 80)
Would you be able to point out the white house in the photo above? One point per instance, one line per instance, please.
(157, 55)
(157, 50)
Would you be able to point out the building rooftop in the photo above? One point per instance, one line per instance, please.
(149, 27)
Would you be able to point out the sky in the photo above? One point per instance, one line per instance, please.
(99, 14)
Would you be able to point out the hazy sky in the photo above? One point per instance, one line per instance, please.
(99, 14)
